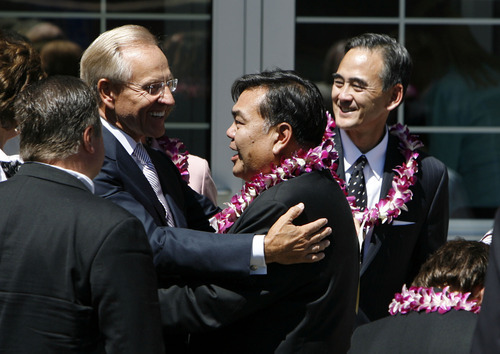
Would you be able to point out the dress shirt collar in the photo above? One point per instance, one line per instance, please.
(125, 140)
(80, 176)
(375, 157)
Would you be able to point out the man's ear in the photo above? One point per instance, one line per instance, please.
(396, 97)
(106, 93)
(88, 139)
(284, 135)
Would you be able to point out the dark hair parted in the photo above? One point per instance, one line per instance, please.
(20, 65)
(397, 60)
(291, 99)
(52, 115)
(459, 264)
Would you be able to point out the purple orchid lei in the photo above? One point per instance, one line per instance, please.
(315, 159)
(390, 207)
(426, 299)
(324, 157)
(176, 150)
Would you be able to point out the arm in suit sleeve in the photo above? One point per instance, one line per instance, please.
(123, 287)
(178, 251)
(487, 335)
(198, 306)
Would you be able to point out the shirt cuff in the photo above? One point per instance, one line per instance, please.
(258, 259)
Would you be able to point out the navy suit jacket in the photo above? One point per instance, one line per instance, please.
(189, 249)
(301, 308)
(398, 250)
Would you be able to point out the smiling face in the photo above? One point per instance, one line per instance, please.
(138, 113)
(250, 138)
(359, 103)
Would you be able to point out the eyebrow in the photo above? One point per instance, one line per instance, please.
(356, 80)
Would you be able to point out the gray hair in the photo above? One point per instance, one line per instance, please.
(52, 115)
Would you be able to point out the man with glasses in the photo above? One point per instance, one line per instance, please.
(134, 84)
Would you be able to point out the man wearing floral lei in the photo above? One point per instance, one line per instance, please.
(283, 150)
(403, 205)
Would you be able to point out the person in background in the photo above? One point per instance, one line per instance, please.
(77, 272)
(19, 66)
(438, 314)
(371, 82)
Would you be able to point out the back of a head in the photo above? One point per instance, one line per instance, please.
(61, 57)
(19, 66)
(289, 99)
(397, 60)
(459, 264)
(52, 115)
(103, 58)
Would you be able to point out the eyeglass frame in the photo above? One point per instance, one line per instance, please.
(171, 84)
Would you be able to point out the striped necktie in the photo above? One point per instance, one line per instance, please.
(152, 176)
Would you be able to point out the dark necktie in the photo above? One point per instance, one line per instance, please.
(357, 186)
(10, 167)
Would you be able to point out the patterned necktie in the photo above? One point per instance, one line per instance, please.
(357, 186)
(149, 171)
(10, 167)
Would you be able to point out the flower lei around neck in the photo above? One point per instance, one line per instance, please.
(176, 150)
(315, 159)
(318, 158)
(426, 299)
(390, 207)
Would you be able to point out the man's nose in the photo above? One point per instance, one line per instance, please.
(166, 97)
(230, 132)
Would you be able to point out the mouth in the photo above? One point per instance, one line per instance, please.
(236, 155)
(159, 115)
(347, 109)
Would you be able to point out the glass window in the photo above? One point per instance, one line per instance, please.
(453, 99)
(183, 28)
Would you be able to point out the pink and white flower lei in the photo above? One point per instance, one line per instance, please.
(426, 299)
(176, 150)
(390, 207)
(315, 159)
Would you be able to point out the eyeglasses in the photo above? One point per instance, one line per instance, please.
(158, 87)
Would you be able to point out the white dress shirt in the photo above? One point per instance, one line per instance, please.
(7, 158)
(373, 172)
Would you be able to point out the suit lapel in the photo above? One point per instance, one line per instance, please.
(133, 179)
(393, 158)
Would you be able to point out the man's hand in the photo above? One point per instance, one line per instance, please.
(286, 243)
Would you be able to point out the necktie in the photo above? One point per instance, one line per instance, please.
(149, 171)
(357, 186)
(10, 167)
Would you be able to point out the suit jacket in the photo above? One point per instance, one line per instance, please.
(398, 249)
(415, 333)
(487, 335)
(302, 308)
(76, 271)
(181, 250)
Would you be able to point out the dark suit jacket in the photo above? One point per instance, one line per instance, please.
(487, 335)
(398, 251)
(416, 333)
(180, 250)
(303, 308)
(76, 271)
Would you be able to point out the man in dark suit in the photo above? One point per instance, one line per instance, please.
(369, 84)
(487, 336)
(76, 271)
(303, 308)
(134, 84)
